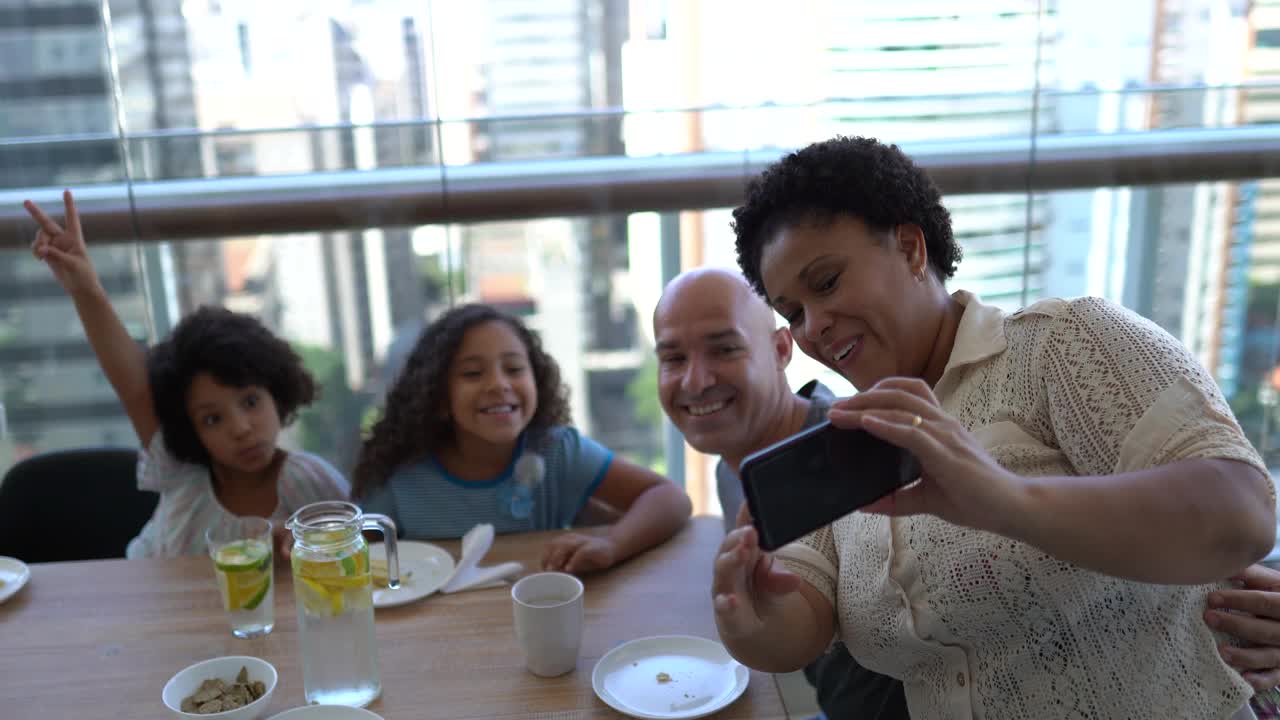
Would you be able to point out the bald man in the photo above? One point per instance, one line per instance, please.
(722, 380)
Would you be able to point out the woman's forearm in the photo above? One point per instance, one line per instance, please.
(1188, 522)
(657, 514)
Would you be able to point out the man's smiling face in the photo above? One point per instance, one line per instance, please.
(720, 361)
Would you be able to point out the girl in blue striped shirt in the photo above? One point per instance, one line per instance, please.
(476, 430)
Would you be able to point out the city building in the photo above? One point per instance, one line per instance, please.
(61, 118)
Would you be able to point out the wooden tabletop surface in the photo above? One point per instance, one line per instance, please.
(101, 638)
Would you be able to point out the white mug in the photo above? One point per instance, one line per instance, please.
(548, 618)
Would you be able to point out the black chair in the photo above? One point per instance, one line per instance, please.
(81, 504)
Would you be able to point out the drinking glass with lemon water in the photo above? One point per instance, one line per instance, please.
(241, 552)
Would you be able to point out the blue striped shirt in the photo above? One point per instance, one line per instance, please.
(559, 470)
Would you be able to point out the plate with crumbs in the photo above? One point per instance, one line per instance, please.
(668, 677)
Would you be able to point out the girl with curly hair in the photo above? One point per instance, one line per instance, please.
(207, 403)
(476, 430)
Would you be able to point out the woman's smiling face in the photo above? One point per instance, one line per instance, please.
(853, 297)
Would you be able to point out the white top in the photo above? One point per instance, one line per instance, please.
(981, 626)
(188, 506)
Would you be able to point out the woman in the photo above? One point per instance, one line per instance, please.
(1083, 477)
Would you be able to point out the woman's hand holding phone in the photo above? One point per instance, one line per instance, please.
(960, 482)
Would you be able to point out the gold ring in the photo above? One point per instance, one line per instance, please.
(916, 420)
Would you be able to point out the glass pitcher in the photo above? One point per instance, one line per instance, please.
(333, 588)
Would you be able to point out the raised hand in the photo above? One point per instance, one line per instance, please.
(122, 360)
(746, 585)
(63, 248)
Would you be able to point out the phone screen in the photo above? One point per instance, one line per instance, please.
(817, 476)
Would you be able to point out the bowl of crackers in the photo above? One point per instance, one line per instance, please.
(236, 687)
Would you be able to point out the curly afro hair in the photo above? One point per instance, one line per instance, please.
(413, 424)
(238, 351)
(850, 176)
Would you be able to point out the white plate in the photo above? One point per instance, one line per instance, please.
(431, 566)
(326, 712)
(704, 678)
(15, 574)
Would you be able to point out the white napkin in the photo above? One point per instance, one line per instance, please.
(468, 575)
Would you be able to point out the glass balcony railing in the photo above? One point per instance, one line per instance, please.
(564, 158)
(296, 199)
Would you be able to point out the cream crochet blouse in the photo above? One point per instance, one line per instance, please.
(981, 626)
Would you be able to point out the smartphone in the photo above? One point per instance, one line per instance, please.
(818, 475)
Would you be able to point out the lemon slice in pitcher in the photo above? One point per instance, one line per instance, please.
(322, 584)
(355, 565)
(316, 598)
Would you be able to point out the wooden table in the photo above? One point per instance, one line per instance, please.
(100, 639)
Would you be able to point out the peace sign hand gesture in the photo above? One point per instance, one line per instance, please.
(63, 249)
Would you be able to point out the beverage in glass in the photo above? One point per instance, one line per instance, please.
(241, 552)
